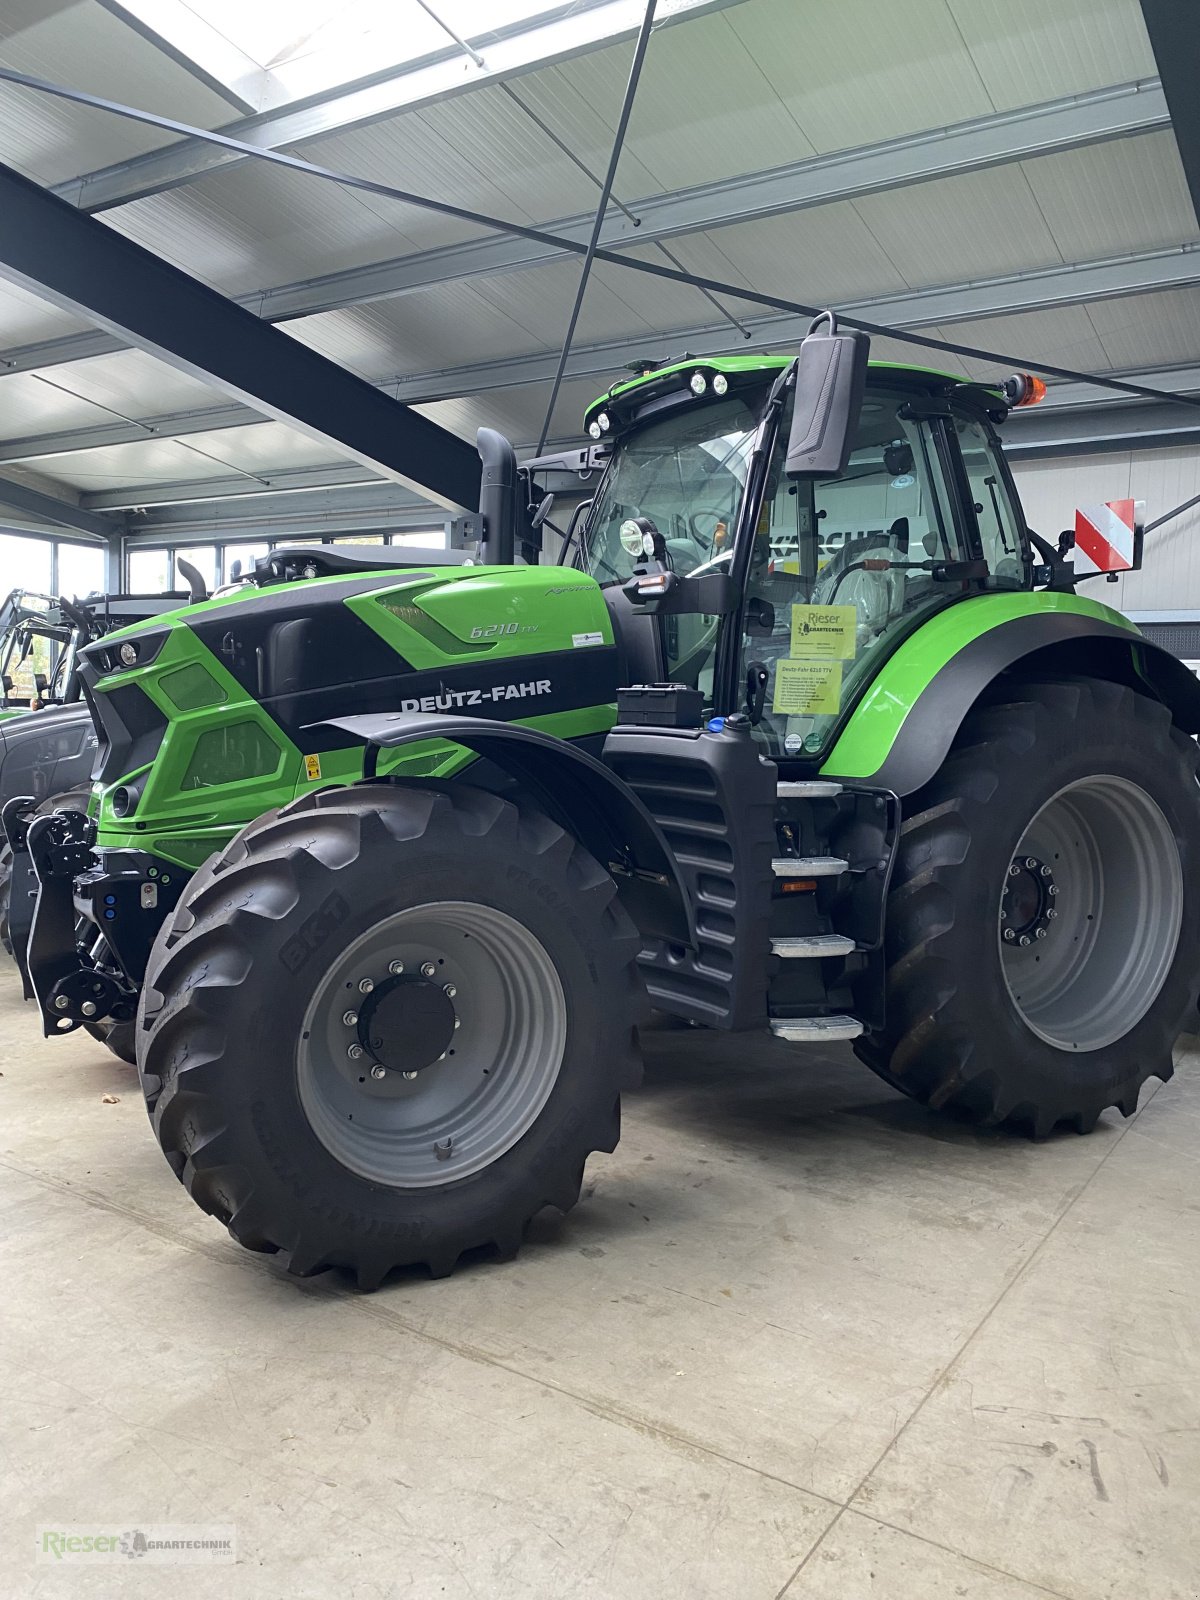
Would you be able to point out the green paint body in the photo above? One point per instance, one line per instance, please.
(428, 620)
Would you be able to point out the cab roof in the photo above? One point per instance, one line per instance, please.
(742, 366)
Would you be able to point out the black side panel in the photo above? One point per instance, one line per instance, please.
(46, 752)
(1029, 646)
(131, 730)
(713, 796)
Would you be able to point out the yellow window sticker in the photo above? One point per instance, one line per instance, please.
(807, 688)
(312, 767)
(823, 633)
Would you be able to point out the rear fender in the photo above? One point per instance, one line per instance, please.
(906, 727)
(573, 787)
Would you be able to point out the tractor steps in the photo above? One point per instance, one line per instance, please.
(808, 866)
(807, 789)
(816, 1030)
(808, 946)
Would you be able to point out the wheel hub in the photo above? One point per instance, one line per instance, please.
(406, 1023)
(1027, 906)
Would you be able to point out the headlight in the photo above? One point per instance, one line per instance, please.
(699, 383)
(720, 383)
(603, 422)
(128, 653)
(594, 429)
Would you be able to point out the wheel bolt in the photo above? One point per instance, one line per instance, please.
(458, 1022)
(1024, 940)
(1052, 912)
(1041, 933)
(395, 968)
(1053, 889)
(408, 1075)
(61, 1003)
(350, 1018)
(365, 985)
(354, 1052)
(428, 970)
(88, 1008)
(1045, 872)
(1009, 934)
(1031, 862)
(1013, 870)
(378, 1072)
(449, 990)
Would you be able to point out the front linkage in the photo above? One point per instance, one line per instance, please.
(83, 920)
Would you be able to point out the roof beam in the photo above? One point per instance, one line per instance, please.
(295, 480)
(1042, 290)
(1122, 111)
(995, 297)
(1064, 396)
(1175, 40)
(49, 508)
(90, 270)
(352, 508)
(170, 425)
(570, 31)
(1145, 425)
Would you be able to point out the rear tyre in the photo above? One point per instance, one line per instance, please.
(389, 1027)
(1043, 925)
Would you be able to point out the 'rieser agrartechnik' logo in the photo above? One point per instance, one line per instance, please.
(176, 1544)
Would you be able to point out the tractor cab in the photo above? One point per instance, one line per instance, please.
(822, 573)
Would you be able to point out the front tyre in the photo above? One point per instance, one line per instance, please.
(1043, 926)
(389, 1027)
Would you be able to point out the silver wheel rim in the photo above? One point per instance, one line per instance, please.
(461, 1112)
(1090, 913)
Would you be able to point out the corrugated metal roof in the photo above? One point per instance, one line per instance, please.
(751, 86)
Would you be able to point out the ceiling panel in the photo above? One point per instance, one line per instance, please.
(1026, 51)
(25, 318)
(87, 47)
(953, 230)
(1114, 198)
(851, 72)
(1150, 330)
(1064, 336)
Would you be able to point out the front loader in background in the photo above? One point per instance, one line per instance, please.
(812, 736)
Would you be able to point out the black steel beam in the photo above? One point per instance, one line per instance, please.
(79, 264)
(1174, 29)
(48, 508)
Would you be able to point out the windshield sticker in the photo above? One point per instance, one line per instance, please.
(823, 633)
(807, 688)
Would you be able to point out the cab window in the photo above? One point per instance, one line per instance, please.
(995, 514)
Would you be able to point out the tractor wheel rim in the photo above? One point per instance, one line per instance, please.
(1090, 913)
(406, 1120)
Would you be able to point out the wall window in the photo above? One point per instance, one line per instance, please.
(149, 570)
(25, 564)
(80, 571)
(247, 554)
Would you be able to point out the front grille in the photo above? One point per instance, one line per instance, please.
(130, 728)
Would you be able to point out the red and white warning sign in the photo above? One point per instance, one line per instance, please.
(1106, 537)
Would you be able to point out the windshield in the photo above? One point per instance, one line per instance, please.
(843, 565)
(686, 473)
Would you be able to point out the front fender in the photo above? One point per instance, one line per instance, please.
(574, 788)
(904, 726)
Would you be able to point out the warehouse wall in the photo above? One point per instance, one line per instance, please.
(1170, 577)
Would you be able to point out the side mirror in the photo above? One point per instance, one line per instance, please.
(831, 375)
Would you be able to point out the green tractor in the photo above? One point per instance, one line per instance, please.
(807, 733)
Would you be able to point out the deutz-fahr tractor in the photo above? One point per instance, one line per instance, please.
(807, 733)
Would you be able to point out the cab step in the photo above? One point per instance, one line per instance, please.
(816, 1030)
(804, 946)
(808, 866)
(807, 789)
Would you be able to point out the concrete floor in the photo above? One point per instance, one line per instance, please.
(800, 1339)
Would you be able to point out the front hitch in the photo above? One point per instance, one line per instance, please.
(68, 992)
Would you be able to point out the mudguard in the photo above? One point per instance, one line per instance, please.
(902, 729)
(574, 788)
